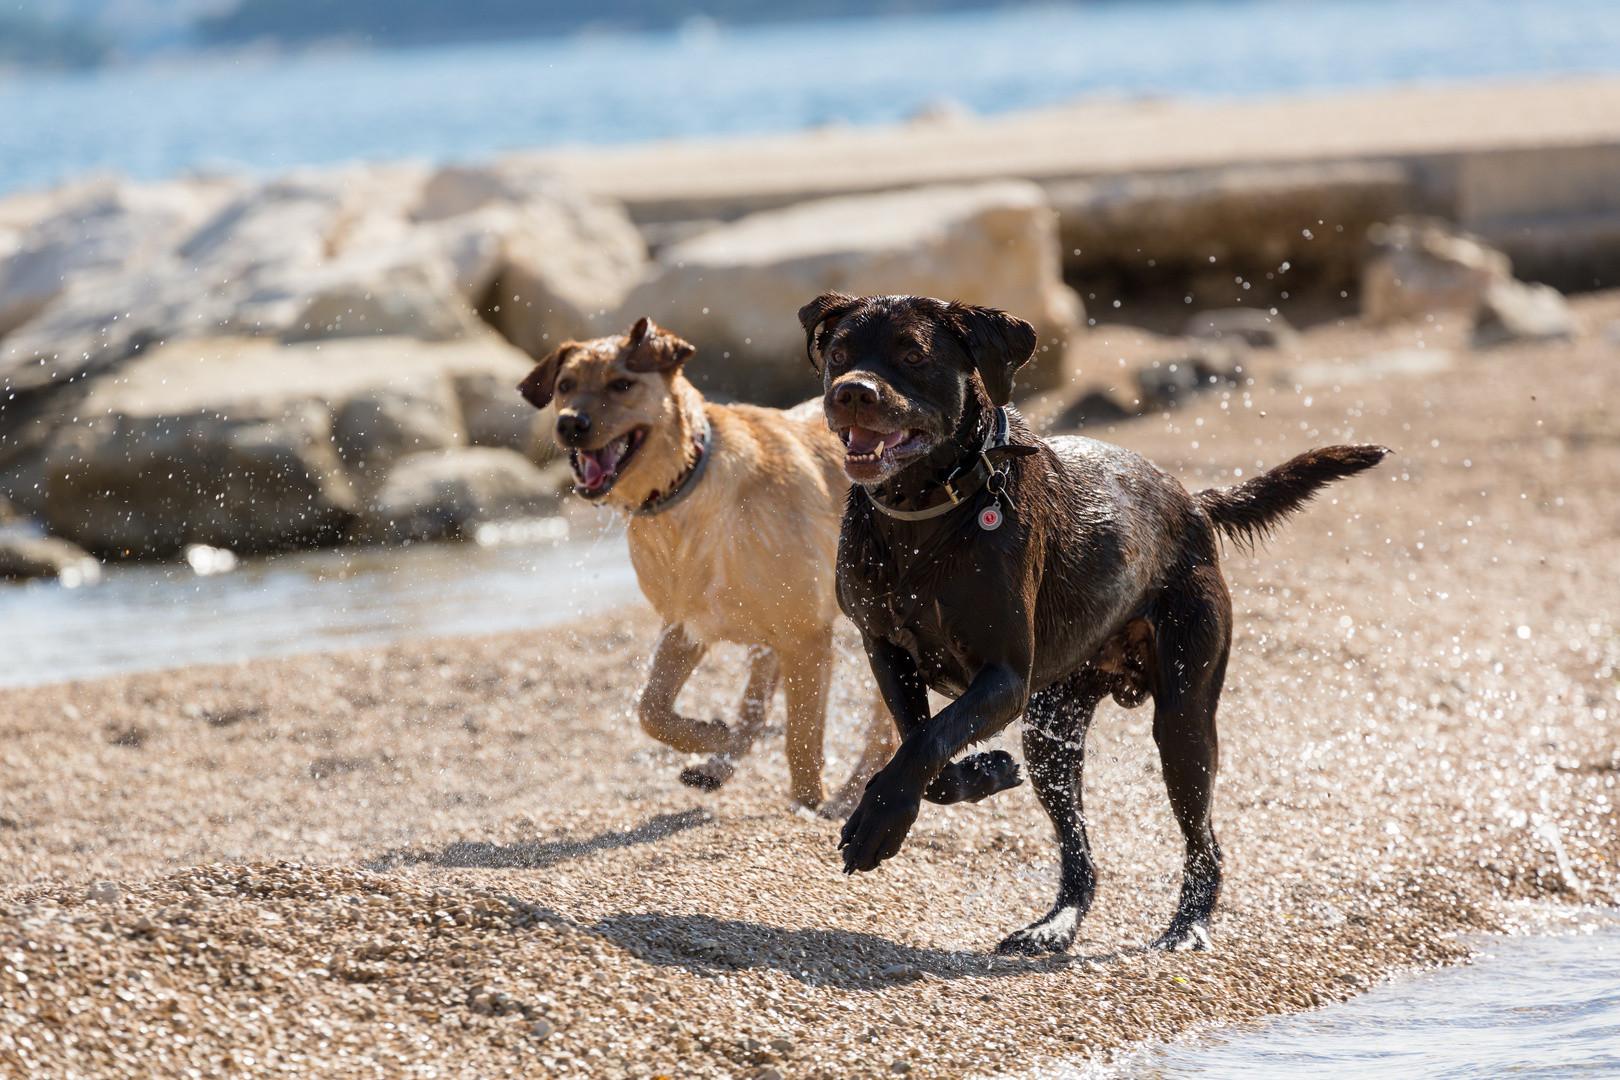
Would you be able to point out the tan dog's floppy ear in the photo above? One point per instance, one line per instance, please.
(542, 381)
(652, 348)
(999, 343)
(818, 312)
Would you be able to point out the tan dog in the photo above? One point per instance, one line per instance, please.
(734, 515)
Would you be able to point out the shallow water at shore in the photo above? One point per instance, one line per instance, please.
(159, 616)
(264, 112)
(1535, 1006)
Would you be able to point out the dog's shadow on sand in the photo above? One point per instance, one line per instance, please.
(539, 854)
(842, 959)
(705, 945)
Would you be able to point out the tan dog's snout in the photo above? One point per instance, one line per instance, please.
(573, 427)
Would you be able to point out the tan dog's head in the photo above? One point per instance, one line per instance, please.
(618, 411)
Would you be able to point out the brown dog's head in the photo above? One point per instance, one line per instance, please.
(902, 373)
(616, 406)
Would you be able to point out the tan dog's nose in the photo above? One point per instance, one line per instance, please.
(572, 427)
(856, 393)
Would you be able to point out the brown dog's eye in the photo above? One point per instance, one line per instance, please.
(838, 357)
(914, 357)
(620, 386)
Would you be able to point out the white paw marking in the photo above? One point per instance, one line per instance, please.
(1056, 928)
(1195, 940)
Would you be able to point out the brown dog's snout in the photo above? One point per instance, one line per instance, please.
(572, 427)
(856, 394)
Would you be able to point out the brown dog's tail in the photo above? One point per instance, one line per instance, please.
(1252, 509)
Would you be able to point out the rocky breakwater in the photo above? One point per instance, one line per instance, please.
(331, 355)
(319, 357)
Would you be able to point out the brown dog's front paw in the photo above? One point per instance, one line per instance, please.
(975, 777)
(710, 775)
(877, 828)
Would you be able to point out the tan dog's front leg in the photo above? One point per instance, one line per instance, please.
(806, 669)
(674, 659)
(882, 740)
(763, 671)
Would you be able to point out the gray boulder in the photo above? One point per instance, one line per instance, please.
(495, 414)
(1421, 266)
(141, 486)
(737, 289)
(95, 231)
(560, 258)
(1244, 326)
(429, 496)
(378, 426)
(235, 443)
(1522, 311)
(382, 250)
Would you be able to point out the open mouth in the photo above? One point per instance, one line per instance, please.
(867, 450)
(595, 471)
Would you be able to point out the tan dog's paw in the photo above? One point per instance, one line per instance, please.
(710, 775)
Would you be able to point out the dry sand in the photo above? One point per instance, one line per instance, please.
(460, 858)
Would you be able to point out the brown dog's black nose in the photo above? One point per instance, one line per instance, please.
(573, 426)
(856, 393)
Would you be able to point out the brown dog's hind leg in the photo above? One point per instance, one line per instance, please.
(1055, 726)
(1194, 637)
(674, 659)
(881, 742)
(763, 672)
(806, 669)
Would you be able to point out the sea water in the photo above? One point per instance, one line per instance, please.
(215, 608)
(261, 113)
(1541, 1007)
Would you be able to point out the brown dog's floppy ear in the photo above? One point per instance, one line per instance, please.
(542, 381)
(816, 313)
(652, 348)
(999, 343)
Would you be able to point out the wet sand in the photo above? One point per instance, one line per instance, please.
(460, 858)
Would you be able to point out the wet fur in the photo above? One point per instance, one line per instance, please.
(746, 557)
(1104, 580)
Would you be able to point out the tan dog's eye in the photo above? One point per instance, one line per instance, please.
(565, 386)
(620, 386)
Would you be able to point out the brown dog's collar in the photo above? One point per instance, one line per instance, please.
(966, 480)
(657, 503)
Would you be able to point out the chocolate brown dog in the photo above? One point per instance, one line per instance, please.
(1026, 576)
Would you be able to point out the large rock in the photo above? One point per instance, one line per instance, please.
(356, 252)
(231, 442)
(1209, 232)
(496, 416)
(380, 425)
(1522, 311)
(438, 494)
(735, 291)
(563, 259)
(1423, 265)
(93, 231)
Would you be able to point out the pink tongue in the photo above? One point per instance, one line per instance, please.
(596, 465)
(866, 441)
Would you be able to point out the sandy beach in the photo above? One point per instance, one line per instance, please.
(461, 858)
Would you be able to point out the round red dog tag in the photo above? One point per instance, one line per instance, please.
(990, 517)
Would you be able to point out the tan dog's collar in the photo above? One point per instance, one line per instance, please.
(657, 503)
